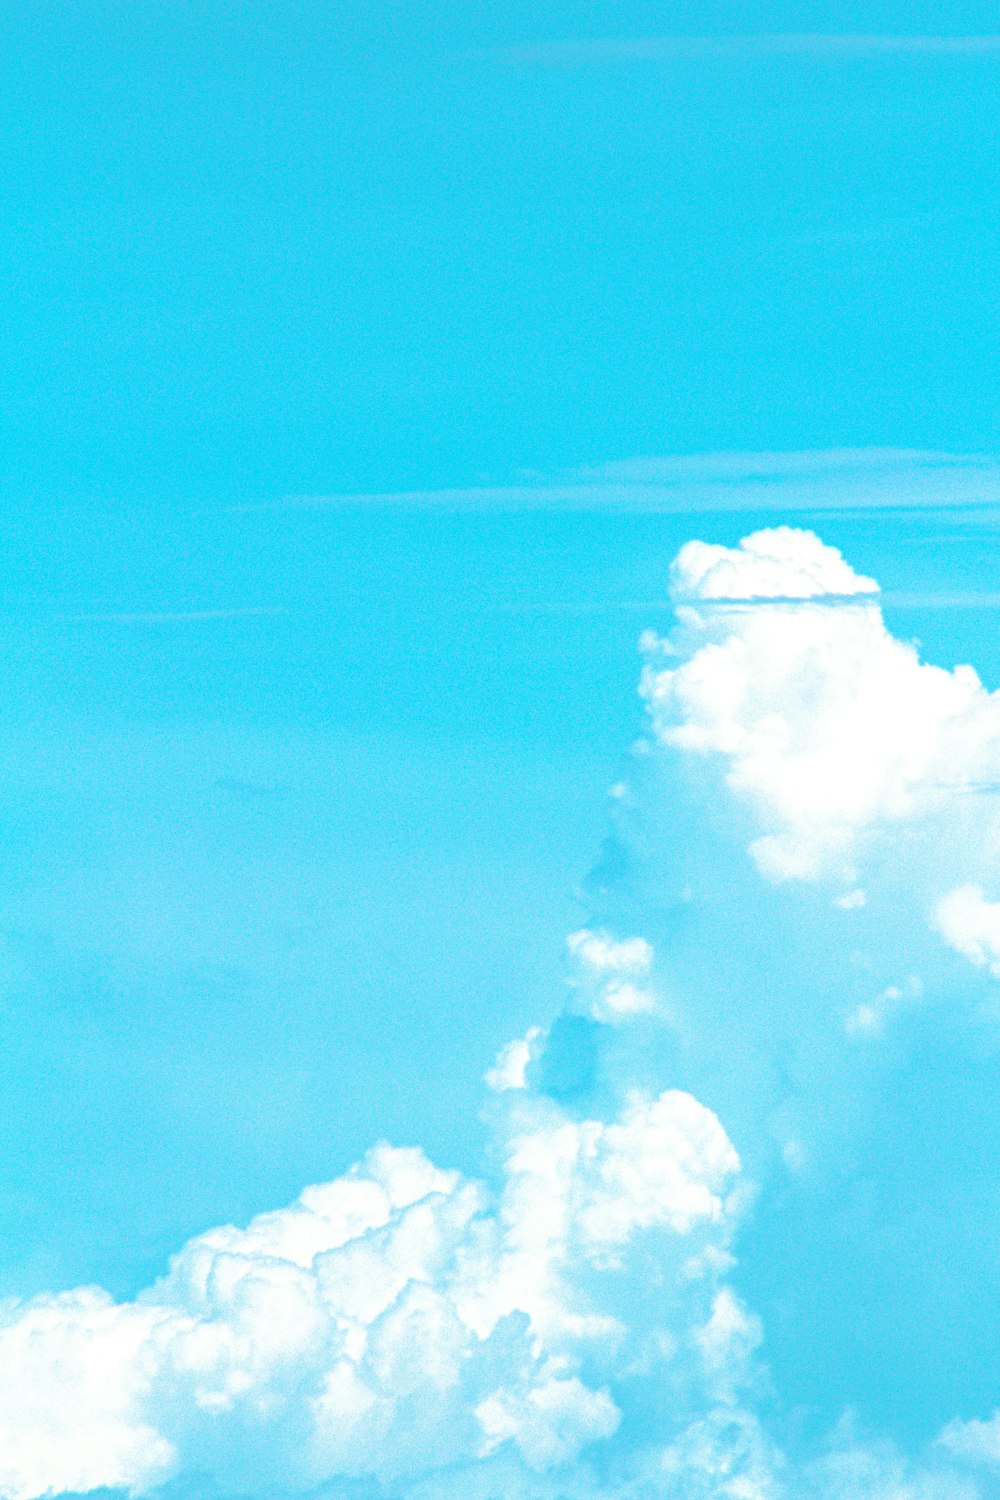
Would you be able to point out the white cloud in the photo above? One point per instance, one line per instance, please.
(388, 1324)
(724, 1456)
(607, 969)
(93, 1431)
(599, 951)
(971, 925)
(620, 999)
(827, 728)
(854, 1469)
(428, 1336)
(778, 564)
(551, 1423)
(978, 1441)
(510, 1069)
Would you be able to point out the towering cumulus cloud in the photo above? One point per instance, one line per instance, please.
(803, 868)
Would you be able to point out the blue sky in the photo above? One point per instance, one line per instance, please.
(254, 250)
(364, 372)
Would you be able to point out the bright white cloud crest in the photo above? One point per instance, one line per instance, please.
(611, 975)
(782, 563)
(828, 726)
(971, 925)
(568, 1329)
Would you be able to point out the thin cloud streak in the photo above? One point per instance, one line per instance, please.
(670, 49)
(171, 616)
(838, 479)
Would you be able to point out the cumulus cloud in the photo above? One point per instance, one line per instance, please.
(971, 925)
(74, 1375)
(611, 973)
(781, 563)
(510, 1070)
(827, 727)
(976, 1440)
(794, 866)
(393, 1322)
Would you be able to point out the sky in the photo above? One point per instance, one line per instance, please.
(500, 918)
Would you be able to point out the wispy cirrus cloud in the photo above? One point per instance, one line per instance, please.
(747, 48)
(814, 480)
(172, 616)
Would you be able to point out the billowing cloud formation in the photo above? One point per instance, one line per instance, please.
(828, 727)
(778, 564)
(801, 867)
(396, 1321)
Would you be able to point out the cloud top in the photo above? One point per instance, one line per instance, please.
(825, 726)
(778, 563)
